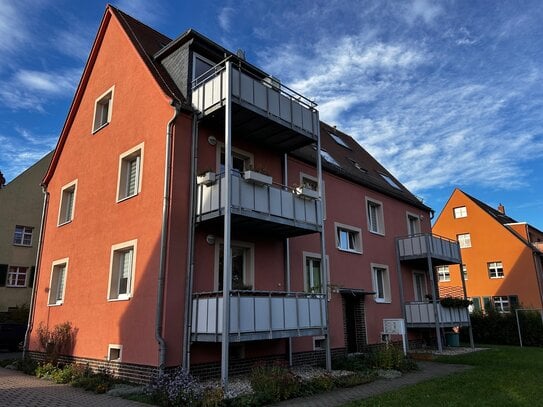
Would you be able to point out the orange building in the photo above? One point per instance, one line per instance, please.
(502, 258)
(174, 150)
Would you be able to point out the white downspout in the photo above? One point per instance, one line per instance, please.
(164, 241)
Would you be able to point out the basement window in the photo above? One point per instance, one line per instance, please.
(114, 352)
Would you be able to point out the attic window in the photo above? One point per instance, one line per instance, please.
(390, 181)
(329, 158)
(357, 166)
(102, 110)
(339, 140)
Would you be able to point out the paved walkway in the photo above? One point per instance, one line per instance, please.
(20, 390)
(428, 370)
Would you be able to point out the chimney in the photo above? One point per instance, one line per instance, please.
(501, 208)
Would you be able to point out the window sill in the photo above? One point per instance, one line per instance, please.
(65, 223)
(349, 251)
(57, 304)
(376, 233)
(497, 278)
(16, 286)
(94, 131)
(124, 298)
(126, 198)
(22, 245)
(383, 301)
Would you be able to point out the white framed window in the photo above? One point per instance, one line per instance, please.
(122, 270)
(103, 109)
(348, 238)
(57, 285)
(419, 285)
(443, 273)
(114, 352)
(381, 283)
(241, 160)
(130, 173)
(17, 276)
(464, 240)
(242, 256)
(312, 271)
(413, 224)
(376, 223)
(67, 203)
(319, 342)
(23, 235)
(460, 212)
(501, 303)
(309, 182)
(495, 269)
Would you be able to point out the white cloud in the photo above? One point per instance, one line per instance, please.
(147, 11)
(427, 10)
(225, 18)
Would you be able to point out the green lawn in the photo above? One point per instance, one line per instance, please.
(502, 376)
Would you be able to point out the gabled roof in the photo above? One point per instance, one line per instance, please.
(356, 165)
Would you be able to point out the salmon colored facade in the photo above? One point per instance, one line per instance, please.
(502, 257)
(157, 153)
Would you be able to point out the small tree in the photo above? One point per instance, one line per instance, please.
(57, 341)
(2, 180)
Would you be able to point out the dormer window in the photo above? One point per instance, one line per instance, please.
(339, 140)
(201, 68)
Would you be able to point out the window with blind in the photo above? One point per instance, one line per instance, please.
(67, 203)
(375, 216)
(57, 286)
(130, 170)
(381, 283)
(121, 279)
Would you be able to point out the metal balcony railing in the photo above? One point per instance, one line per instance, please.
(427, 244)
(421, 314)
(272, 203)
(258, 315)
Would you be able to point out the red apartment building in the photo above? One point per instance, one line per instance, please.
(175, 149)
(501, 258)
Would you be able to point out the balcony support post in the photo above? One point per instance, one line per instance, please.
(324, 263)
(400, 278)
(287, 256)
(434, 296)
(227, 269)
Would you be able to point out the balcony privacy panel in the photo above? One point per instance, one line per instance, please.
(258, 200)
(259, 313)
(428, 244)
(422, 313)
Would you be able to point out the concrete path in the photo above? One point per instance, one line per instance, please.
(428, 370)
(20, 390)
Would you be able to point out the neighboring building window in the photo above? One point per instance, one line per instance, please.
(460, 212)
(487, 304)
(313, 275)
(67, 203)
(242, 256)
(23, 235)
(419, 285)
(58, 282)
(348, 238)
(495, 269)
(465, 271)
(17, 276)
(464, 240)
(130, 170)
(413, 224)
(501, 303)
(123, 265)
(443, 273)
(476, 306)
(102, 110)
(375, 216)
(381, 283)
(114, 353)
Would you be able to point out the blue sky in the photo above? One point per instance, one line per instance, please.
(444, 93)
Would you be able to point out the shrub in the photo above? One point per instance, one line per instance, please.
(27, 366)
(455, 302)
(84, 378)
(46, 371)
(212, 397)
(178, 388)
(392, 357)
(353, 363)
(273, 382)
(56, 341)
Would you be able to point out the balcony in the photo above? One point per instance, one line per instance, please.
(258, 315)
(418, 248)
(257, 208)
(263, 110)
(421, 315)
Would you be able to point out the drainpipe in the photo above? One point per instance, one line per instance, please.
(538, 273)
(434, 296)
(190, 246)
(287, 256)
(324, 263)
(36, 271)
(164, 240)
(465, 290)
(400, 280)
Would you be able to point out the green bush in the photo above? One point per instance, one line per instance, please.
(354, 363)
(27, 366)
(392, 357)
(46, 371)
(501, 328)
(273, 382)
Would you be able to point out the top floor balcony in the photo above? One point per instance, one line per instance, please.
(418, 248)
(263, 110)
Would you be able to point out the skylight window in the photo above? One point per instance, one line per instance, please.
(390, 181)
(357, 166)
(339, 140)
(329, 158)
